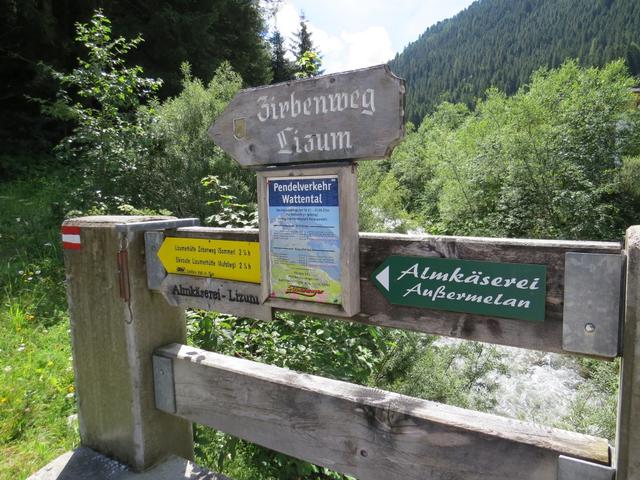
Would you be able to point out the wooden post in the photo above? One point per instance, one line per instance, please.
(628, 434)
(116, 323)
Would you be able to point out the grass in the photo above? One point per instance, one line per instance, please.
(36, 377)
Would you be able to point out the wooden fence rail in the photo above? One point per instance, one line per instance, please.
(360, 431)
(376, 310)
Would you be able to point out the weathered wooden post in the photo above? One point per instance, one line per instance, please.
(116, 324)
(628, 435)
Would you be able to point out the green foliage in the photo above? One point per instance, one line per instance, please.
(134, 153)
(36, 376)
(382, 200)
(556, 160)
(228, 212)
(102, 95)
(104, 78)
(594, 411)
(170, 176)
(309, 65)
(459, 374)
(339, 350)
(499, 43)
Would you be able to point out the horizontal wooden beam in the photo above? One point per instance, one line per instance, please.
(376, 310)
(364, 432)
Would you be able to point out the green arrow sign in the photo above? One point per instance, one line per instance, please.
(509, 290)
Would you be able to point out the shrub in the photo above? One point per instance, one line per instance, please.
(184, 155)
(556, 160)
(102, 96)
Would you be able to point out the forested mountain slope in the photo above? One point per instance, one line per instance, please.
(501, 42)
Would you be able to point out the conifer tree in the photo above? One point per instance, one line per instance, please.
(303, 42)
(281, 67)
(633, 58)
(499, 43)
(308, 59)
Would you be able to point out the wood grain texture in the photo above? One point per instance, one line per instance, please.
(113, 342)
(365, 432)
(546, 336)
(375, 310)
(241, 299)
(373, 129)
(240, 234)
(628, 434)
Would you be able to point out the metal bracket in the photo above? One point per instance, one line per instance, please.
(157, 225)
(592, 303)
(153, 237)
(164, 389)
(574, 469)
(155, 270)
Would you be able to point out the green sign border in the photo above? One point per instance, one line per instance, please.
(508, 290)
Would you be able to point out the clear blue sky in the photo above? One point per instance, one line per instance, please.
(359, 33)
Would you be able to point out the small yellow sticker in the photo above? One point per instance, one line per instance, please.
(225, 259)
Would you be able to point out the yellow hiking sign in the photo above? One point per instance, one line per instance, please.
(225, 259)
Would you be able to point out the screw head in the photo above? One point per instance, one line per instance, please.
(589, 328)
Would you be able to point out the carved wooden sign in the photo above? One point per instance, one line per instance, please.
(235, 298)
(356, 114)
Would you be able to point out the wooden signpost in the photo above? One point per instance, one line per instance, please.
(213, 274)
(309, 216)
(350, 115)
(241, 299)
(129, 347)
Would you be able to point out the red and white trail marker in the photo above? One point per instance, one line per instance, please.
(71, 238)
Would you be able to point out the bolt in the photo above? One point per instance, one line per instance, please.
(364, 453)
(589, 328)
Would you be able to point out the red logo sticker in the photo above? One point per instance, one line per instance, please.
(306, 292)
(71, 238)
